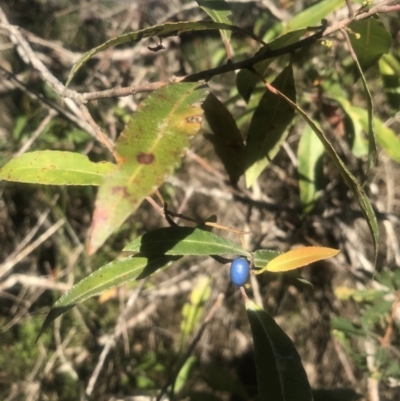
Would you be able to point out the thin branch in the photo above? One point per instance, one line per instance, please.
(47, 103)
(383, 7)
(29, 56)
(206, 74)
(5, 267)
(350, 8)
(130, 90)
(100, 134)
(39, 130)
(33, 281)
(111, 341)
(27, 52)
(25, 241)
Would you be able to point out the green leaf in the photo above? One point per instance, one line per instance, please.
(385, 136)
(184, 241)
(148, 149)
(192, 310)
(342, 394)
(227, 140)
(280, 373)
(262, 257)
(19, 127)
(108, 276)
(284, 40)
(353, 127)
(376, 313)
(220, 379)
(202, 396)
(345, 325)
(390, 65)
(309, 17)
(305, 282)
(349, 178)
(310, 152)
(53, 167)
(219, 11)
(393, 369)
(371, 42)
(360, 296)
(389, 68)
(184, 374)
(372, 151)
(246, 80)
(313, 15)
(162, 31)
(269, 126)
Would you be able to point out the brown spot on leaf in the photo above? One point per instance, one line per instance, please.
(145, 158)
(194, 119)
(120, 190)
(120, 160)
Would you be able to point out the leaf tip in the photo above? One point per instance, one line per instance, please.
(299, 257)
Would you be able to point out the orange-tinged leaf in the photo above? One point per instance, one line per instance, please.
(148, 149)
(348, 177)
(299, 257)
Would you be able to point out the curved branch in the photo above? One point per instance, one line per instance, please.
(80, 98)
(360, 14)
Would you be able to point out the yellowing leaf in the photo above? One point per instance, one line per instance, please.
(348, 177)
(299, 257)
(194, 308)
(108, 276)
(148, 149)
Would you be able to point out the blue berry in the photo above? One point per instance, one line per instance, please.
(240, 271)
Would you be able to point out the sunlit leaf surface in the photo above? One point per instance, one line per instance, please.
(263, 256)
(299, 257)
(148, 149)
(108, 276)
(52, 167)
(184, 241)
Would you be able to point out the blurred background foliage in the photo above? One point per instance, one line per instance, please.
(346, 327)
